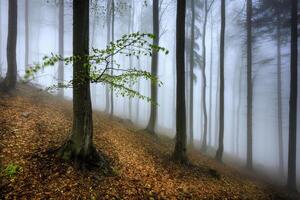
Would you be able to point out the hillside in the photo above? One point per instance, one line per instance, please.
(32, 123)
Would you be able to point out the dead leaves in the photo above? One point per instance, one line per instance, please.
(139, 161)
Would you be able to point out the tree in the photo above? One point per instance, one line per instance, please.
(80, 145)
(61, 45)
(291, 182)
(10, 80)
(154, 67)
(180, 144)
(249, 85)
(192, 18)
(112, 58)
(203, 67)
(108, 29)
(276, 28)
(26, 33)
(220, 150)
(192, 63)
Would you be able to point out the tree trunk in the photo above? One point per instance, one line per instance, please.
(1, 61)
(11, 75)
(61, 47)
(238, 111)
(112, 58)
(220, 150)
(210, 83)
(108, 26)
(291, 182)
(204, 144)
(26, 34)
(80, 147)
(154, 68)
(249, 85)
(130, 29)
(180, 145)
(192, 63)
(279, 101)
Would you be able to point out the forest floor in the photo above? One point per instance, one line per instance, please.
(32, 122)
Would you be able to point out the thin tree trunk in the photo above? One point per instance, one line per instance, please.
(108, 26)
(204, 144)
(1, 61)
(112, 58)
(249, 86)
(130, 29)
(191, 120)
(279, 101)
(11, 75)
(291, 182)
(210, 82)
(238, 111)
(180, 145)
(80, 146)
(220, 150)
(26, 34)
(154, 68)
(61, 46)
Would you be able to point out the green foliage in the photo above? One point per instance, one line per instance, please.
(11, 170)
(101, 67)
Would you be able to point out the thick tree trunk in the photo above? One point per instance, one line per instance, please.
(279, 102)
(11, 75)
(154, 68)
(26, 33)
(291, 182)
(108, 27)
(80, 147)
(204, 144)
(249, 85)
(192, 63)
(61, 47)
(220, 150)
(180, 145)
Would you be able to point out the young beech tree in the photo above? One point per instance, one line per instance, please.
(180, 145)
(154, 64)
(249, 86)
(95, 68)
(220, 150)
(10, 81)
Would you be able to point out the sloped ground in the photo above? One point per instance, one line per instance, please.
(32, 122)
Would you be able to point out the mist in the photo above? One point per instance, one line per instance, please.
(270, 145)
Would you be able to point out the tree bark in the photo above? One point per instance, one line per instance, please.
(210, 83)
(249, 86)
(192, 63)
(154, 68)
(26, 34)
(279, 101)
(204, 144)
(11, 75)
(112, 58)
(61, 47)
(220, 150)
(180, 145)
(80, 146)
(291, 182)
(108, 27)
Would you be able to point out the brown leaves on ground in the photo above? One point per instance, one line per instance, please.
(32, 123)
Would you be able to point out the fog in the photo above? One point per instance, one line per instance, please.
(43, 40)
